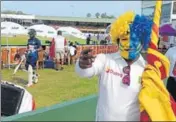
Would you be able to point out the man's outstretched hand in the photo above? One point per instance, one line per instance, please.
(86, 59)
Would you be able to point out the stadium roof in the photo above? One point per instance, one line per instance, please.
(78, 19)
(73, 19)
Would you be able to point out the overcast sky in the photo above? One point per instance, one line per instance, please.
(72, 8)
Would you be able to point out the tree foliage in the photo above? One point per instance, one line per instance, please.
(13, 12)
(89, 15)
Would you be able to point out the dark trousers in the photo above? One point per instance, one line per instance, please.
(171, 86)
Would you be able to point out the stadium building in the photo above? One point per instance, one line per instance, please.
(86, 25)
(168, 10)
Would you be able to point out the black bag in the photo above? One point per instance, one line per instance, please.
(11, 98)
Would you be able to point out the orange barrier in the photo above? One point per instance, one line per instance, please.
(97, 49)
(10, 53)
(4, 55)
(13, 51)
(22, 50)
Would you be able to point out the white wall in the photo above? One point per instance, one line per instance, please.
(17, 16)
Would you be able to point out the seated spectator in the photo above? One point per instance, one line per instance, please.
(17, 57)
(72, 52)
(41, 58)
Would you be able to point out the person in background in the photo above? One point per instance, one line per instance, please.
(68, 43)
(46, 54)
(88, 39)
(33, 47)
(72, 52)
(76, 43)
(60, 43)
(171, 82)
(17, 57)
(98, 36)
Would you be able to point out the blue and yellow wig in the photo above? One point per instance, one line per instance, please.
(133, 32)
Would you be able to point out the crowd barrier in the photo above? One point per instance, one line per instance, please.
(8, 53)
(97, 49)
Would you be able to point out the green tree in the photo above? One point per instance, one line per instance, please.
(89, 15)
(103, 15)
(97, 15)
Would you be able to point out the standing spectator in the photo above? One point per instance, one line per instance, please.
(171, 82)
(72, 50)
(60, 43)
(98, 36)
(88, 39)
(17, 57)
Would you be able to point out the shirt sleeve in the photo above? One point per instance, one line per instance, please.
(96, 69)
(27, 44)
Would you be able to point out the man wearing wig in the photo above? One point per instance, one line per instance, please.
(119, 74)
(131, 89)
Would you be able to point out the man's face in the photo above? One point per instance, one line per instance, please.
(130, 47)
(31, 35)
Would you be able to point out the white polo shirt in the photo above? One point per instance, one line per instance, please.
(59, 42)
(171, 55)
(116, 101)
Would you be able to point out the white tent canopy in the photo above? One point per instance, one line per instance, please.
(44, 30)
(72, 31)
(11, 28)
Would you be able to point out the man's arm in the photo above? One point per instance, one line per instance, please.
(27, 44)
(88, 69)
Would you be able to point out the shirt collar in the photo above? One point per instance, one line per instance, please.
(140, 61)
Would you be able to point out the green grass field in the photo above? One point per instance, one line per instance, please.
(54, 87)
(22, 40)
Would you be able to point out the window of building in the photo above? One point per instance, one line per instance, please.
(174, 8)
(166, 10)
(148, 11)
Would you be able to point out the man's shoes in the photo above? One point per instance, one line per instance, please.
(35, 78)
(29, 85)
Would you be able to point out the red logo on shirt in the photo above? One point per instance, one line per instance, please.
(108, 70)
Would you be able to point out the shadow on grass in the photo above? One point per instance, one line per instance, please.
(19, 80)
